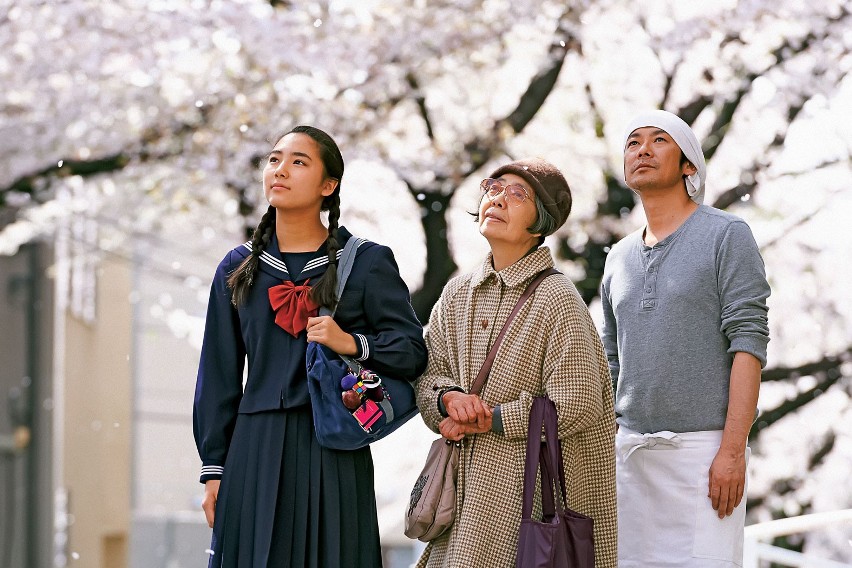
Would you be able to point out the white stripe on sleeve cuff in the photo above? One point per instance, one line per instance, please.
(365, 347)
(212, 470)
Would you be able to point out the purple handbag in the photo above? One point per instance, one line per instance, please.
(563, 538)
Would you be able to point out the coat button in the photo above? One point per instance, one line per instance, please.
(484, 323)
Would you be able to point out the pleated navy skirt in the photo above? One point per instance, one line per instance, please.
(284, 500)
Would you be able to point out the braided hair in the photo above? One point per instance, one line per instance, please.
(241, 279)
(324, 292)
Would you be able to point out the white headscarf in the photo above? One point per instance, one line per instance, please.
(684, 137)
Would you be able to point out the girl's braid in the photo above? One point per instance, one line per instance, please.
(240, 281)
(324, 292)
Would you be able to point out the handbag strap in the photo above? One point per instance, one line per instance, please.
(345, 264)
(552, 466)
(543, 415)
(533, 457)
(479, 382)
(344, 269)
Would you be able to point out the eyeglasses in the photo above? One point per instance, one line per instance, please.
(515, 194)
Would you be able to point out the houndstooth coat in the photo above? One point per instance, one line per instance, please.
(552, 348)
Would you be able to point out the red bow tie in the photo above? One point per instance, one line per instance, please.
(292, 306)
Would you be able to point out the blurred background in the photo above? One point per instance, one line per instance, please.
(130, 134)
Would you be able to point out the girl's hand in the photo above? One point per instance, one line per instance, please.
(324, 330)
(211, 494)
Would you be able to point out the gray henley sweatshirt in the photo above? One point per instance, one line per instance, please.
(674, 315)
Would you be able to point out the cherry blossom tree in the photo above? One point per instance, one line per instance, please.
(150, 118)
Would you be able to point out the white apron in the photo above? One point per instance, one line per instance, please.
(665, 519)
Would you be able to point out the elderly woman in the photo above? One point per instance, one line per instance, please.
(551, 348)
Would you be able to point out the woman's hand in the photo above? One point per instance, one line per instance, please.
(211, 494)
(324, 330)
(467, 408)
(452, 430)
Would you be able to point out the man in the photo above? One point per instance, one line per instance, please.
(685, 331)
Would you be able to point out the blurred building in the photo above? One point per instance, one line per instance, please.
(65, 378)
(26, 394)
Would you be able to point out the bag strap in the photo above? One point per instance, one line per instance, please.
(344, 269)
(479, 382)
(555, 500)
(345, 264)
(533, 457)
(543, 415)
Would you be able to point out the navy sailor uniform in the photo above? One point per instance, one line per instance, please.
(284, 500)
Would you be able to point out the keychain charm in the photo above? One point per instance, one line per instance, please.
(360, 393)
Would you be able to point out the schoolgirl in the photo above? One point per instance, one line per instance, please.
(273, 495)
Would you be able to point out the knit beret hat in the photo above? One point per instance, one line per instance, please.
(547, 181)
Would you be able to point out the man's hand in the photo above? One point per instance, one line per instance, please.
(324, 330)
(211, 494)
(467, 408)
(728, 470)
(727, 481)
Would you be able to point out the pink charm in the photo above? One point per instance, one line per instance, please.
(368, 414)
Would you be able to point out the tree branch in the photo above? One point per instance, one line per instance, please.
(788, 49)
(824, 365)
(669, 75)
(540, 87)
(782, 487)
(734, 194)
(731, 196)
(434, 200)
(822, 451)
(767, 419)
(565, 40)
(411, 79)
(690, 111)
(34, 183)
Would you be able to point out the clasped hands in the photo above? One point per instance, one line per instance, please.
(467, 414)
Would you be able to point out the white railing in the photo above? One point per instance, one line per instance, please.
(756, 550)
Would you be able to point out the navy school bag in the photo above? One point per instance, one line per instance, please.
(380, 403)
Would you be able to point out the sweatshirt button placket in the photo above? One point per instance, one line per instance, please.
(649, 287)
